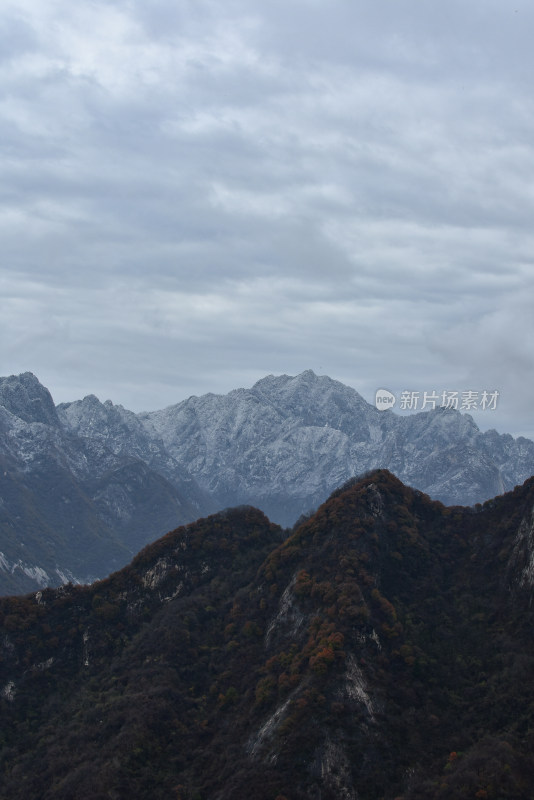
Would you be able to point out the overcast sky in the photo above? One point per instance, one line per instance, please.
(195, 194)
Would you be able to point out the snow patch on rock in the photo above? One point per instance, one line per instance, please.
(9, 691)
(355, 686)
(267, 731)
(523, 552)
(289, 619)
(335, 771)
(156, 574)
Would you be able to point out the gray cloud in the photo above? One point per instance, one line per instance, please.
(192, 196)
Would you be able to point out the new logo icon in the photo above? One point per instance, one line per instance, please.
(384, 400)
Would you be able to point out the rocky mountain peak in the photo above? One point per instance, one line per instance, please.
(90, 417)
(25, 397)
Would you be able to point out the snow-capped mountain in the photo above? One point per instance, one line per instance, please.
(287, 442)
(86, 484)
(72, 507)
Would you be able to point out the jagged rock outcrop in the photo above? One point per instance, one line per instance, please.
(25, 398)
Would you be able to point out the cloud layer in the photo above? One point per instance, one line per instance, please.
(193, 196)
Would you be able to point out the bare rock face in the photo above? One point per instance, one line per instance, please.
(23, 396)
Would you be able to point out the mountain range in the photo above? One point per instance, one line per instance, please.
(85, 485)
(382, 650)
(72, 507)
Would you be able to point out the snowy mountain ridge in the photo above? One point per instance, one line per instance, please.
(85, 485)
(287, 442)
(73, 507)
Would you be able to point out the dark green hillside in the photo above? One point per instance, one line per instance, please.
(383, 650)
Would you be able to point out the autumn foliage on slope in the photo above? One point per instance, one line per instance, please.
(382, 649)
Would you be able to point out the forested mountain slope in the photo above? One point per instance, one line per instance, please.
(383, 650)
